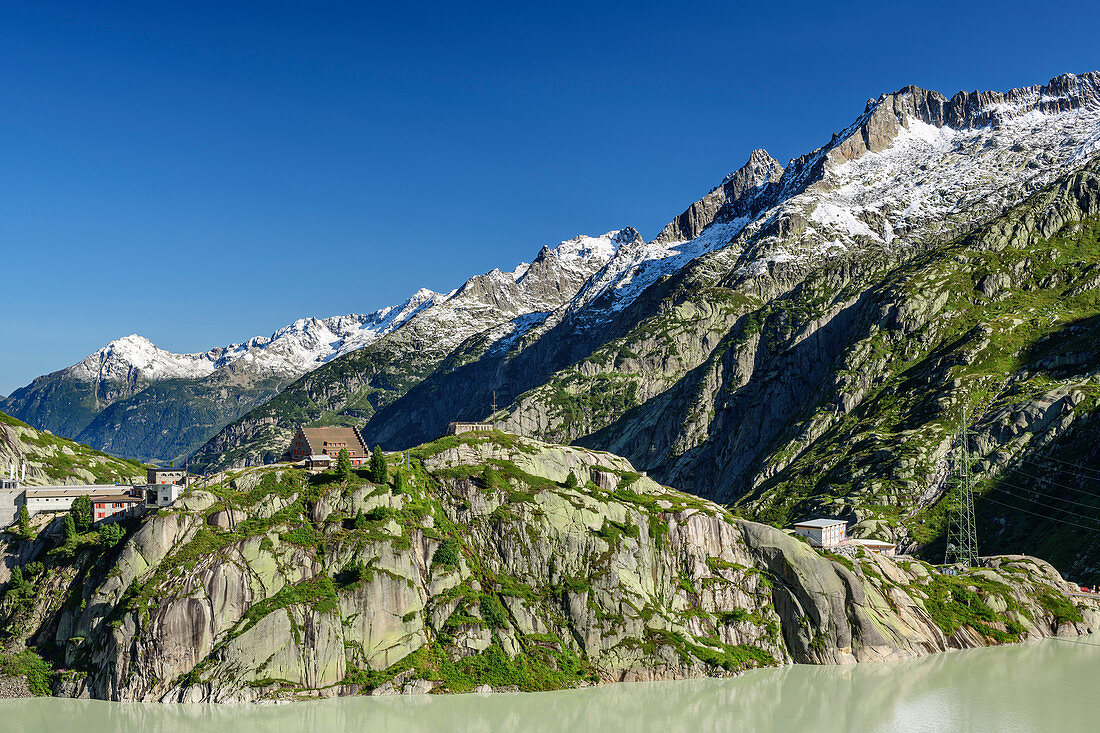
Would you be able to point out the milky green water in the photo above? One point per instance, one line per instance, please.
(1048, 685)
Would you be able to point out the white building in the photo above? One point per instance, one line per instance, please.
(879, 547)
(60, 498)
(165, 486)
(11, 494)
(166, 475)
(458, 428)
(158, 496)
(823, 532)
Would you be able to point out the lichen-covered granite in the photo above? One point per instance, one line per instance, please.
(486, 560)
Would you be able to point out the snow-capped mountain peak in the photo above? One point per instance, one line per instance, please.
(914, 166)
(484, 300)
(917, 166)
(602, 247)
(121, 358)
(758, 170)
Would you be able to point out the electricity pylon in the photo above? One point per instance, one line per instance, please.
(962, 531)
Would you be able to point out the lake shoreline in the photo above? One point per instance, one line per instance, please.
(17, 687)
(1019, 686)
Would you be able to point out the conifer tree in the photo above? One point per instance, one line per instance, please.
(378, 472)
(571, 481)
(24, 522)
(111, 534)
(69, 529)
(81, 512)
(343, 464)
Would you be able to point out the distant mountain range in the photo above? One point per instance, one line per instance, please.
(136, 400)
(802, 339)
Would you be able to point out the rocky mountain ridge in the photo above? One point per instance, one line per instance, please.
(123, 397)
(489, 562)
(973, 154)
(804, 339)
(899, 179)
(796, 379)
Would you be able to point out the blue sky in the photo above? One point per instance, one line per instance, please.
(201, 173)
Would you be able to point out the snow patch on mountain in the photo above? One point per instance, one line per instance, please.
(898, 176)
(120, 359)
(928, 180)
(931, 180)
(636, 266)
(448, 318)
(586, 248)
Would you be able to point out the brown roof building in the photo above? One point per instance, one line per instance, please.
(309, 442)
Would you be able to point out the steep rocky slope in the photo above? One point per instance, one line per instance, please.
(843, 395)
(50, 460)
(808, 339)
(803, 339)
(915, 170)
(137, 400)
(483, 563)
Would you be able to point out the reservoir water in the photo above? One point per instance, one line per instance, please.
(1048, 685)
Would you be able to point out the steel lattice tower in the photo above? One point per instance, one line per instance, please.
(962, 530)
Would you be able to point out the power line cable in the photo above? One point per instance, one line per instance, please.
(1042, 516)
(1059, 460)
(1053, 508)
(1040, 499)
(1040, 484)
(1059, 484)
(1044, 479)
(1047, 496)
(1070, 463)
(1041, 464)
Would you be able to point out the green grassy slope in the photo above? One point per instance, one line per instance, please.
(52, 460)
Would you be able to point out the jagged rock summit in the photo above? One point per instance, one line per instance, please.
(898, 180)
(308, 342)
(803, 337)
(729, 198)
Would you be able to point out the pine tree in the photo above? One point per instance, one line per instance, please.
(399, 482)
(343, 464)
(69, 528)
(571, 481)
(378, 472)
(81, 512)
(24, 522)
